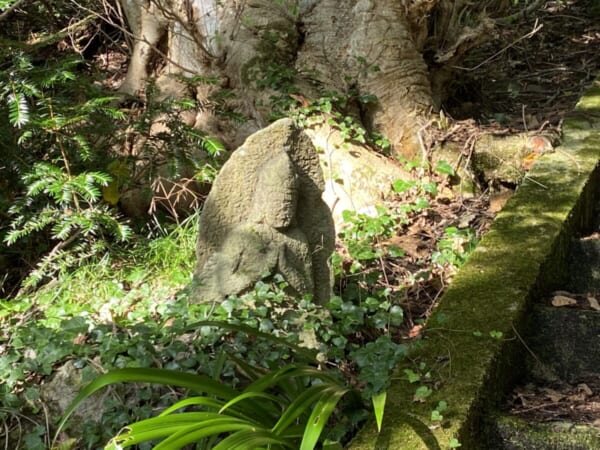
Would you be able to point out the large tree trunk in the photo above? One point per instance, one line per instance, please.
(271, 51)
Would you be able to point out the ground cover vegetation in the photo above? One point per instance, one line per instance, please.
(91, 290)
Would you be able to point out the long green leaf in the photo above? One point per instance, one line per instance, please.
(194, 401)
(253, 395)
(161, 427)
(290, 371)
(251, 413)
(300, 405)
(251, 439)
(378, 407)
(201, 430)
(158, 376)
(320, 415)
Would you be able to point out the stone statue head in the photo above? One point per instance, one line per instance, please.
(276, 193)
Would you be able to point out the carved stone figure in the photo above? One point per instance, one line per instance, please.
(264, 216)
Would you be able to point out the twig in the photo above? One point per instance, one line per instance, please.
(525, 344)
(132, 36)
(536, 27)
(527, 177)
(510, 19)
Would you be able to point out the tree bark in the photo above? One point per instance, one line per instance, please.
(268, 52)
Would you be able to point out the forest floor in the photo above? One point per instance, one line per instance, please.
(525, 81)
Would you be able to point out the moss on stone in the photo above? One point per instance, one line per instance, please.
(521, 258)
(524, 435)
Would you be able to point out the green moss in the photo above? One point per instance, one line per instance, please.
(524, 435)
(522, 257)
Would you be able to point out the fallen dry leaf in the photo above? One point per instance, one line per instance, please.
(412, 245)
(585, 389)
(80, 339)
(553, 395)
(415, 331)
(529, 160)
(593, 303)
(561, 300)
(541, 145)
(577, 398)
(498, 200)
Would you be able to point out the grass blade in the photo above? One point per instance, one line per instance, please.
(320, 415)
(251, 439)
(157, 376)
(300, 404)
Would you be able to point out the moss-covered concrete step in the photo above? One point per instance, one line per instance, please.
(517, 434)
(567, 341)
(584, 265)
(471, 353)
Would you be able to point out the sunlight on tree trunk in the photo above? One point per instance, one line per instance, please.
(264, 51)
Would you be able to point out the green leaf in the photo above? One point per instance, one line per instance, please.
(444, 168)
(412, 376)
(436, 416)
(442, 406)
(158, 376)
(454, 443)
(213, 146)
(250, 395)
(378, 407)
(209, 403)
(18, 110)
(401, 186)
(430, 188)
(422, 393)
(299, 406)
(320, 415)
(496, 334)
(395, 251)
(166, 426)
(305, 354)
(251, 439)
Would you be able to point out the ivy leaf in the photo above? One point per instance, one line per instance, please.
(454, 443)
(443, 168)
(422, 393)
(412, 376)
(401, 186)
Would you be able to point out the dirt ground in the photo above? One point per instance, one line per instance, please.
(527, 81)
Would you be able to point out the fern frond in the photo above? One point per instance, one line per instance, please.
(18, 109)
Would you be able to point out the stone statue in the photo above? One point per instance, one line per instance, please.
(264, 216)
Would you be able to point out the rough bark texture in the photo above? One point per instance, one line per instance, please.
(367, 45)
(372, 47)
(267, 53)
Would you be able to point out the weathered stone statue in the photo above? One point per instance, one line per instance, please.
(264, 215)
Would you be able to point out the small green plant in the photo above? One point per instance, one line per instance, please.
(331, 108)
(283, 408)
(454, 248)
(436, 414)
(60, 206)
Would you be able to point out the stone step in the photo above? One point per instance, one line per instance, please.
(512, 433)
(566, 341)
(584, 265)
